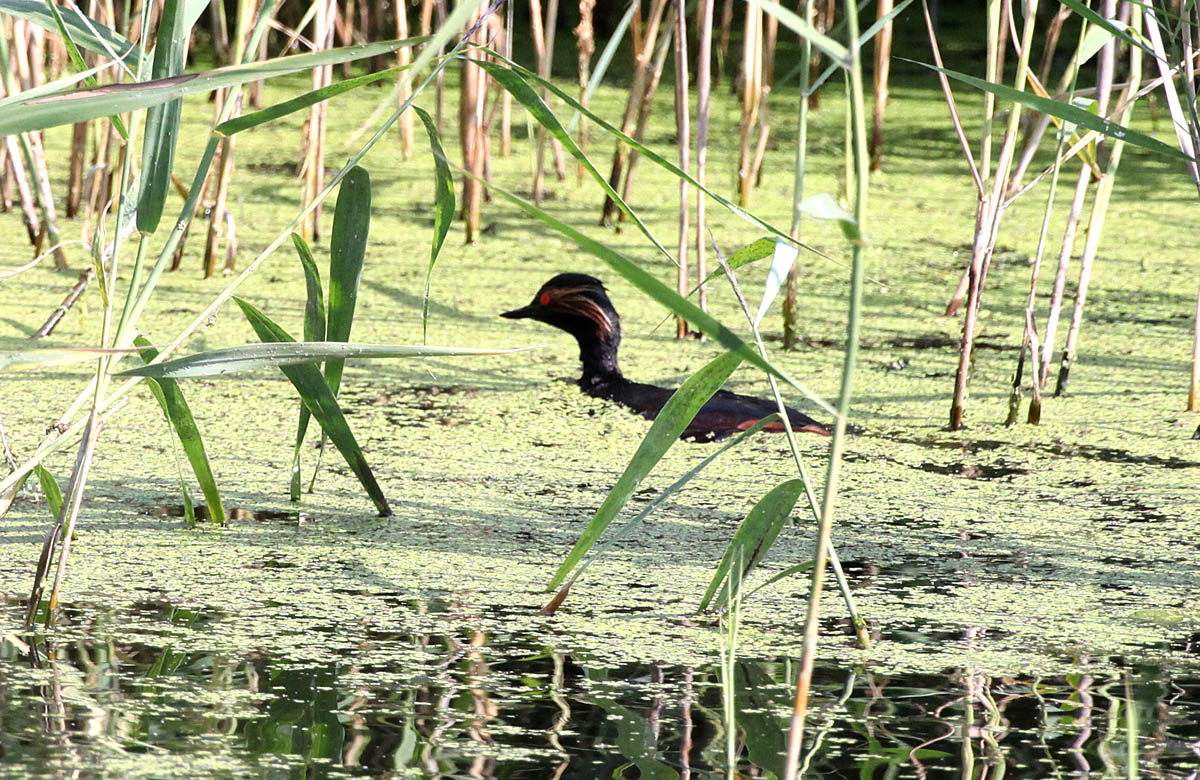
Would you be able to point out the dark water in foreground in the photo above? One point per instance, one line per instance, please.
(501, 706)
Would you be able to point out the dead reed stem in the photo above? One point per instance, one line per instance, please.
(404, 57)
(1060, 274)
(704, 12)
(723, 41)
(768, 77)
(1193, 404)
(506, 99)
(313, 169)
(644, 106)
(992, 203)
(63, 308)
(883, 62)
(790, 338)
(18, 74)
(683, 134)
(1104, 84)
(6, 181)
(471, 124)
(752, 80)
(585, 44)
(644, 41)
(79, 149)
(33, 223)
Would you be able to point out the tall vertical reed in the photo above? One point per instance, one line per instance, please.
(683, 134)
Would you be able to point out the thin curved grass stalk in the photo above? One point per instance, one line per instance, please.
(683, 139)
(801, 467)
(1103, 190)
(64, 529)
(857, 105)
(790, 337)
(403, 59)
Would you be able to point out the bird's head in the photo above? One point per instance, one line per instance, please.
(577, 304)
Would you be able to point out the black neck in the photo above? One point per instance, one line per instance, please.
(599, 357)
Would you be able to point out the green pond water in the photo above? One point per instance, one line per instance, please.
(1032, 591)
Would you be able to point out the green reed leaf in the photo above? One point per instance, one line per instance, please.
(170, 397)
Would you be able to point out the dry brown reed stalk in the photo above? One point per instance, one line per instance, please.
(1060, 274)
(543, 46)
(6, 181)
(825, 18)
(404, 57)
(72, 296)
(1053, 33)
(80, 136)
(992, 204)
(723, 42)
(704, 23)
(253, 92)
(506, 99)
(771, 35)
(1104, 187)
(219, 218)
(752, 81)
(21, 69)
(645, 104)
(313, 167)
(683, 134)
(883, 62)
(472, 99)
(29, 211)
(644, 46)
(343, 25)
(78, 157)
(220, 31)
(585, 44)
(1193, 403)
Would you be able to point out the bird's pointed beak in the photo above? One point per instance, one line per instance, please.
(519, 314)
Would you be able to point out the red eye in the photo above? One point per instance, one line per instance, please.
(544, 298)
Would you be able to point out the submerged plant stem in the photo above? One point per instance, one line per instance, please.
(835, 562)
(856, 106)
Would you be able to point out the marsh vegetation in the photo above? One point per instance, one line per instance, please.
(405, 544)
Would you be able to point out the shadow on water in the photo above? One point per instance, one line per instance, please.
(485, 705)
